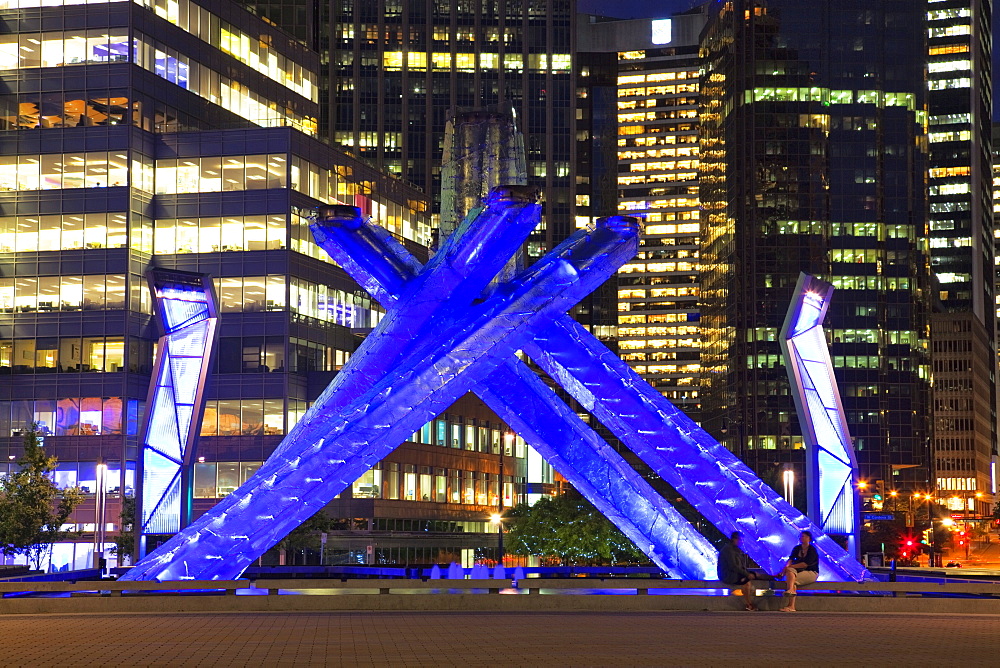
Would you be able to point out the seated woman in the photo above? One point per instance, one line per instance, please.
(802, 568)
(733, 567)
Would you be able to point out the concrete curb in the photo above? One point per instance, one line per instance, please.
(482, 603)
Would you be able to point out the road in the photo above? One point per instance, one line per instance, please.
(510, 639)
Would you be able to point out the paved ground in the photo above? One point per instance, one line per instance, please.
(518, 639)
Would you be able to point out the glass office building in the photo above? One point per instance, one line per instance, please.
(657, 88)
(400, 69)
(814, 158)
(963, 346)
(183, 136)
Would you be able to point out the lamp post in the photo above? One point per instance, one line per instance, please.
(788, 480)
(497, 518)
(930, 523)
(100, 502)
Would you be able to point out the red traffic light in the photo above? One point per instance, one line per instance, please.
(909, 543)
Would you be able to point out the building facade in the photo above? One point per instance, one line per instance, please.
(814, 158)
(399, 70)
(657, 90)
(963, 344)
(182, 136)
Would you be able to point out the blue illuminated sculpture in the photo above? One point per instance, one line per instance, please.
(709, 477)
(831, 468)
(448, 332)
(185, 306)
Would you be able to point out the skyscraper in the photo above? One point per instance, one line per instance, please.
(813, 158)
(657, 150)
(963, 344)
(400, 69)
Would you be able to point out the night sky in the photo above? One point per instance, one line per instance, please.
(634, 9)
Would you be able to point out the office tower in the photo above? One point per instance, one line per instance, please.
(657, 146)
(996, 262)
(400, 69)
(181, 136)
(813, 158)
(963, 346)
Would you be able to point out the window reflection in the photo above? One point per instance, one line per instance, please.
(73, 416)
(213, 235)
(30, 111)
(58, 171)
(215, 174)
(214, 480)
(243, 417)
(62, 293)
(70, 47)
(52, 355)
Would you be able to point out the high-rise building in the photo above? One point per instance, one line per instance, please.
(400, 69)
(657, 150)
(814, 158)
(182, 136)
(963, 346)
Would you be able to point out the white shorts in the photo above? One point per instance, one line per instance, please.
(805, 577)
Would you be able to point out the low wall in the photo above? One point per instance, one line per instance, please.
(483, 603)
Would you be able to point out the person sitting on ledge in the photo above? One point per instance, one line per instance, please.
(733, 569)
(802, 568)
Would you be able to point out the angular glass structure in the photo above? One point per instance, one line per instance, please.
(515, 393)
(831, 468)
(187, 312)
(444, 336)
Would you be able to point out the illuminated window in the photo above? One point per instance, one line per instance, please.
(949, 66)
(950, 31)
(945, 84)
(951, 48)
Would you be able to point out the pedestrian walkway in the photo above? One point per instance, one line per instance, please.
(507, 639)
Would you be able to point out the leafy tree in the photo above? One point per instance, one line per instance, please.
(32, 509)
(124, 546)
(570, 528)
(996, 512)
(306, 536)
(889, 534)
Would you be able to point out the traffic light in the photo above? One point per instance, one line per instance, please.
(961, 538)
(879, 490)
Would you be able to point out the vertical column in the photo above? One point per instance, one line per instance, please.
(186, 309)
(831, 468)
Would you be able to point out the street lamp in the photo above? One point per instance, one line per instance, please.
(497, 518)
(788, 479)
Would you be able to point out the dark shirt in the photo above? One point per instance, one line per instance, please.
(732, 566)
(811, 558)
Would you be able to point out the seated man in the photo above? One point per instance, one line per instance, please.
(733, 567)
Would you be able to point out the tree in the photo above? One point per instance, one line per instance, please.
(570, 528)
(996, 512)
(124, 547)
(33, 509)
(884, 535)
(306, 536)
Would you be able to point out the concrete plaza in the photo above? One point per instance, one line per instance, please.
(508, 639)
